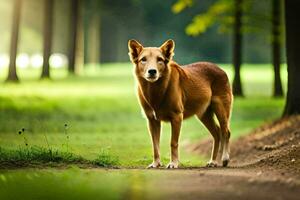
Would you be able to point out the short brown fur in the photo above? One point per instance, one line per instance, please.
(175, 93)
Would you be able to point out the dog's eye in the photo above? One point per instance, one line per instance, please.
(159, 59)
(144, 59)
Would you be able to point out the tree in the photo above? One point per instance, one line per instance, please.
(76, 43)
(292, 24)
(48, 24)
(237, 48)
(12, 70)
(276, 47)
(73, 35)
(92, 30)
(220, 12)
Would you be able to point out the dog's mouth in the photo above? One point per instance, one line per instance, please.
(151, 78)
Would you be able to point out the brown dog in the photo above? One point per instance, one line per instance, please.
(168, 92)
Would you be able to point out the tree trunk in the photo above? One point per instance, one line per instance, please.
(93, 51)
(12, 70)
(237, 48)
(73, 35)
(292, 16)
(48, 24)
(79, 53)
(276, 33)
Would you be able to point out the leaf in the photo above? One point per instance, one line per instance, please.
(180, 5)
(215, 13)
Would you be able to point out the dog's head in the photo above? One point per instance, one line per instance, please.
(151, 62)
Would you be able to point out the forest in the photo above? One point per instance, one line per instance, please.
(72, 124)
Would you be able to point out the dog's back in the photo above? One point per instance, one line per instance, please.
(219, 82)
(201, 83)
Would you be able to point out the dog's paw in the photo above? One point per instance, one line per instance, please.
(225, 160)
(225, 163)
(154, 165)
(172, 165)
(212, 163)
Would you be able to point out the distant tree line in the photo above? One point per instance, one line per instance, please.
(292, 24)
(235, 10)
(236, 14)
(75, 6)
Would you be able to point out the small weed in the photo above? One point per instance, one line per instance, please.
(22, 133)
(67, 136)
(104, 159)
(46, 139)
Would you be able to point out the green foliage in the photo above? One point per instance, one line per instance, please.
(218, 12)
(180, 5)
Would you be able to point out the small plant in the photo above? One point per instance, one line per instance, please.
(47, 143)
(67, 136)
(104, 159)
(22, 133)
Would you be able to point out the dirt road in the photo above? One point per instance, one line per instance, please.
(267, 166)
(229, 183)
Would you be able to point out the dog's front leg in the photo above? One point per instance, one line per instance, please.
(154, 129)
(176, 126)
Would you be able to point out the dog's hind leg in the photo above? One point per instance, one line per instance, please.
(208, 120)
(222, 109)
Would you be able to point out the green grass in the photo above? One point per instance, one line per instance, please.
(78, 184)
(36, 155)
(102, 114)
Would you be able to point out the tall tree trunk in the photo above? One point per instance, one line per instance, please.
(48, 24)
(12, 70)
(276, 46)
(93, 51)
(292, 24)
(79, 53)
(237, 48)
(73, 35)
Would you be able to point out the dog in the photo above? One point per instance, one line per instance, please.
(171, 93)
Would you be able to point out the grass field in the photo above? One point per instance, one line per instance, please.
(95, 117)
(98, 112)
(78, 184)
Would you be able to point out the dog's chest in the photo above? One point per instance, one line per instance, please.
(164, 113)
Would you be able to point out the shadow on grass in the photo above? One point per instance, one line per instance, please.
(36, 156)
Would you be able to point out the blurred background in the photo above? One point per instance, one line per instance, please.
(64, 68)
(104, 27)
(68, 98)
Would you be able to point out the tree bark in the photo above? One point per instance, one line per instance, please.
(93, 51)
(292, 16)
(237, 48)
(48, 30)
(12, 70)
(79, 53)
(276, 47)
(73, 35)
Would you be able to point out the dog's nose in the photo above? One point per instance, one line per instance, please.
(152, 72)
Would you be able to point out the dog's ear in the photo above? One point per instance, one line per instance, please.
(135, 49)
(168, 49)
